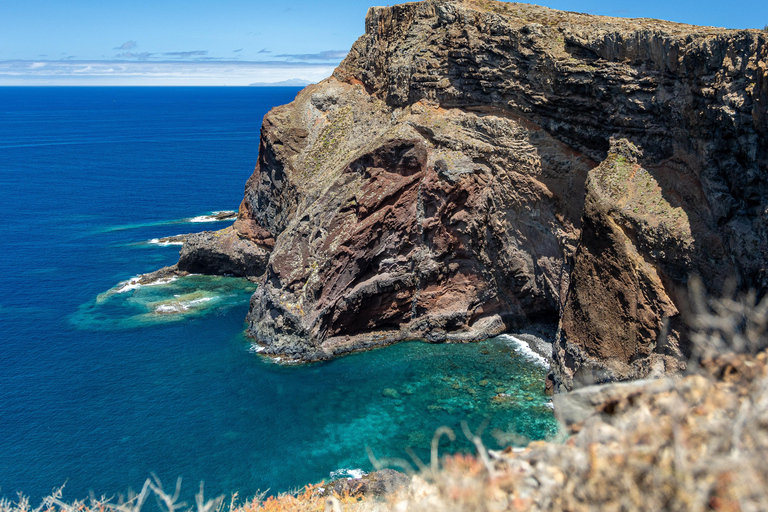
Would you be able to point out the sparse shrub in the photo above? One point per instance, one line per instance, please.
(133, 503)
(734, 323)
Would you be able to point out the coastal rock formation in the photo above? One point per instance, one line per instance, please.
(437, 226)
(473, 166)
(223, 252)
(635, 249)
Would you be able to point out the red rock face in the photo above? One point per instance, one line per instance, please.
(403, 243)
(434, 188)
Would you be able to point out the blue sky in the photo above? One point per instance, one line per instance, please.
(236, 42)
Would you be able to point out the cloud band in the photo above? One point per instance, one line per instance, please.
(120, 72)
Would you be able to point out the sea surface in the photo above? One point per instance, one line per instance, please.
(103, 382)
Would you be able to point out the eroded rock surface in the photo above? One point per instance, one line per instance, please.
(420, 223)
(456, 177)
(222, 252)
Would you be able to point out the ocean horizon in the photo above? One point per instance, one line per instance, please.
(104, 382)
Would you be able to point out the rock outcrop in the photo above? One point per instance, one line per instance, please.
(474, 166)
(384, 482)
(223, 252)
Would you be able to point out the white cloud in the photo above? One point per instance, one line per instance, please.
(336, 55)
(156, 73)
(187, 54)
(128, 45)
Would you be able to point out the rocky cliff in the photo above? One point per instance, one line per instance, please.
(474, 166)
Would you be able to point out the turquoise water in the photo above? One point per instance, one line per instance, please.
(103, 382)
(129, 304)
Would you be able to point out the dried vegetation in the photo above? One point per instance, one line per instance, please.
(695, 443)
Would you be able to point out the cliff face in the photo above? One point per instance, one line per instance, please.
(473, 166)
(423, 223)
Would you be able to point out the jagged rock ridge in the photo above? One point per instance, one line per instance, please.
(473, 166)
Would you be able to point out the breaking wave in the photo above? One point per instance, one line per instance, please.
(523, 349)
(206, 218)
(132, 304)
(355, 473)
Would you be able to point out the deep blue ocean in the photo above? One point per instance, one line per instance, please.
(102, 384)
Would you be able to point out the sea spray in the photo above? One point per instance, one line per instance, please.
(132, 303)
(524, 349)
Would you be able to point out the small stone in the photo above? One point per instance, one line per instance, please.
(390, 393)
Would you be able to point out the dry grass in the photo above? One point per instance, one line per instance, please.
(309, 499)
(734, 323)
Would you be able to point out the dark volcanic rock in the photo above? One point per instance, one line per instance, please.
(160, 274)
(456, 177)
(224, 215)
(222, 252)
(171, 240)
(432, 227)
(384, 482)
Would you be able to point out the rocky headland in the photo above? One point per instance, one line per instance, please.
(473, 167)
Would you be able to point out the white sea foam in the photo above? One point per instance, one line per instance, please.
(200, 300)
(210, 218)
(255, 348)
(135, 283)
(522, 348)
(126, 286)
(157, 241)
(180, 306)
(176, 307)
(348, 473)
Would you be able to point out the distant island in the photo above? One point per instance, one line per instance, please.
(293, 82)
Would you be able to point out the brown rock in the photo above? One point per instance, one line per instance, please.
(410, 238)
(384, 482)
(619, 297)
(436, 186)
(222, 252)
